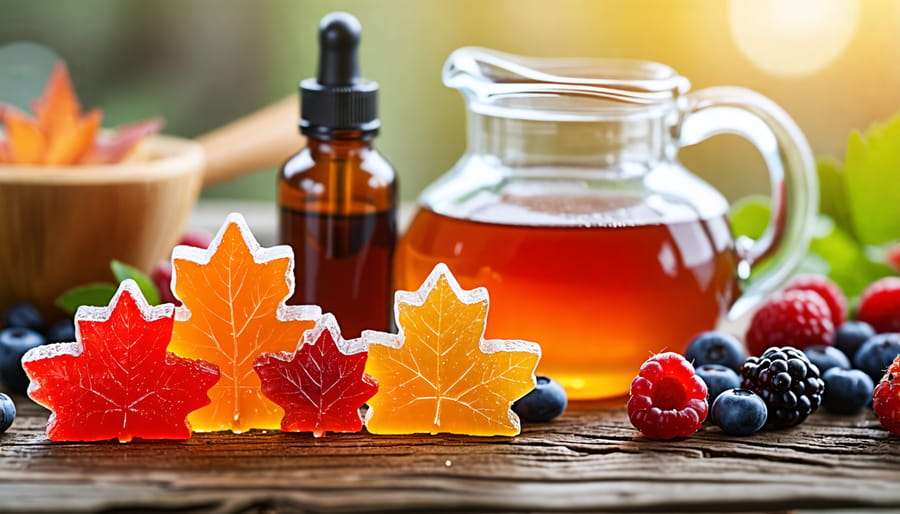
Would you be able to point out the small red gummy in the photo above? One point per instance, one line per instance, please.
(791, 318)
(879, 305)
(828, 290)
(886, 400)
(667, 399)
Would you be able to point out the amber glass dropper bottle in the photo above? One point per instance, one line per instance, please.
(338, 195)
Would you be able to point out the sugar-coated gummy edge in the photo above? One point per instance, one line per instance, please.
(418, 297)
(94, 314)
(311, 336)
(260, 255)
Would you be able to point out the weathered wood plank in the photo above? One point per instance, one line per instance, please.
(589, 460)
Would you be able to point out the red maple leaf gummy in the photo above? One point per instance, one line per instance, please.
(322, 385)
(117, 381)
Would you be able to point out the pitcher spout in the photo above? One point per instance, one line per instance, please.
(490, 77)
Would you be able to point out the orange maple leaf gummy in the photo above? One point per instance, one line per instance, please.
(322, 384)
(117, 381)
(439, 374)
(233, 297)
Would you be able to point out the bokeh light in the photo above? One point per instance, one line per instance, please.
(792, 37)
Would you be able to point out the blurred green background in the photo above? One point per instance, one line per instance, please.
(834, 65)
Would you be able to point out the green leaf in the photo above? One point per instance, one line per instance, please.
(833, 193)
(849, 266)
(123, 271)
(872, 176)
(749, 216)
(90, 294)
(833, 251)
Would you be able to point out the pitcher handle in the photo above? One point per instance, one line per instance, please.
(794, 184)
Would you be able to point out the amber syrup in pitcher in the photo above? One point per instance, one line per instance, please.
(599, 299)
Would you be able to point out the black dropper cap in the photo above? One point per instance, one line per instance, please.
(338, 98)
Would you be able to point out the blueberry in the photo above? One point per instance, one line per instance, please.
(545, 402)
(61, 332)
(876, 354)
(847, 391)
(7, 412)
(718, 378)
(715, 348)
(739, 412)
(826, 357)
(23, 315)
(14, 342)
(851, 335)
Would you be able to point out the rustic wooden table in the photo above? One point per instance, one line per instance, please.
(591, 459)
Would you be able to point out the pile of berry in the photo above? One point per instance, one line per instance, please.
(804, 353)
(23, 328)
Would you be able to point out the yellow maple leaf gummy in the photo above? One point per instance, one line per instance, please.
(439, 374)
(233, 296)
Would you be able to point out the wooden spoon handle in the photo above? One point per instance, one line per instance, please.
(260, 140)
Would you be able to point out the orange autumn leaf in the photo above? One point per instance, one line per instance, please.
(27, 144)
(74, 141)
(58, 110)
(117, 146)
(439, 374)
(5, 155)
(59, 134)
(233, 297)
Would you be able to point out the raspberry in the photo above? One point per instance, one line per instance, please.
(893, 257)
(162, 279)
(791, 318)
(886, 400)
(828, 290)
(198, 238)
(879, 305)
(667, 399)
(788, 383)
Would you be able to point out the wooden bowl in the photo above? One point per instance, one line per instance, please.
(61, 227)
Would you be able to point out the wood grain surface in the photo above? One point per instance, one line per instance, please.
(590, 460)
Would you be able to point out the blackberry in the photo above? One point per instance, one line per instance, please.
(787, 381)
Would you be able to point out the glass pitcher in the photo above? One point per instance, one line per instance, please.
(570, 206)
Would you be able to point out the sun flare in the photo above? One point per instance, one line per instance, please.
(792, 38)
